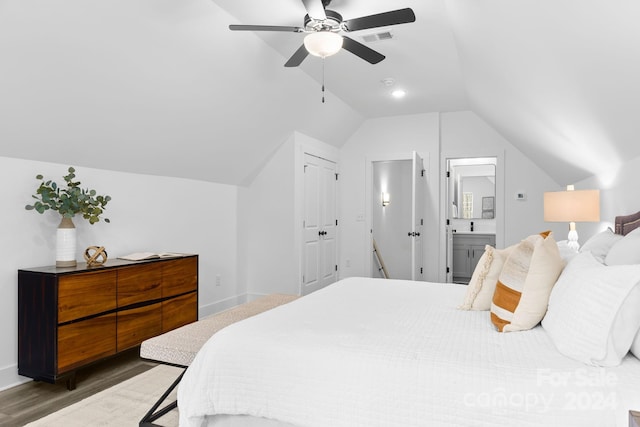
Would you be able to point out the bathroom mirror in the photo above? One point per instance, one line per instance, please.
(472, 187)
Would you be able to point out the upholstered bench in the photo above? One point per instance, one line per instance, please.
(180, 346)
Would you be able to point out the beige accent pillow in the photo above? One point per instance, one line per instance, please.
(483, 281)
(522, 293)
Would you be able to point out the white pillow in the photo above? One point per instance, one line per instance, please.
(600, 244)
(626, 250)
(592, 315)
(566, 253)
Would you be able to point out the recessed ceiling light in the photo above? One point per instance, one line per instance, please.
(399, 93)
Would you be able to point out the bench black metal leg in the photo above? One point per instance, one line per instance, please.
(152, 415)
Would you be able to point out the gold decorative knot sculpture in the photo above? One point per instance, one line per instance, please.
(95, 255)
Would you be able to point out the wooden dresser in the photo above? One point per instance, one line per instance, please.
(70, 317)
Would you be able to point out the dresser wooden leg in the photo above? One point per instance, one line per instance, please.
(71, 381)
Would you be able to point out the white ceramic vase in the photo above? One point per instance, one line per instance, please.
(66, 244)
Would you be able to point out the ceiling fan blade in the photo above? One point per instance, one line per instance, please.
(297, 57)
(394, 17)
(265, 28)
(315, 9)
(358, 49)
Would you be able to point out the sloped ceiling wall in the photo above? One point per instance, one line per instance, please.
(150, 86)
(160, 87)
(557, 78)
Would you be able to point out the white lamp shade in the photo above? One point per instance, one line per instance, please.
(323, 43)
(572, 206)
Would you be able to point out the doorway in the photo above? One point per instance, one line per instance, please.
(397, 218)
(319, 246)
(472, 203)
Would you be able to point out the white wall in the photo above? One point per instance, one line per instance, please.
(274, 218)
(619, 195)
(466, 132)
(271, 264)
(462, 133)
(379, 139)
(147, 213)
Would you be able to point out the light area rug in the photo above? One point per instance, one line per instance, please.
(121, 405)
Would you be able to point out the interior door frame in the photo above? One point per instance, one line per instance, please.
(500, 202)
(419, 183)
(323, 195)
(327, 153)
(368, 199)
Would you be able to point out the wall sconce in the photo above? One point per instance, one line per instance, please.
(572, 206)
(385, 199)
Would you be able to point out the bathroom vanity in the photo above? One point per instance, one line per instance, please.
(468, 247)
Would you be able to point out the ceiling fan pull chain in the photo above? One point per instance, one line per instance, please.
(323, 80)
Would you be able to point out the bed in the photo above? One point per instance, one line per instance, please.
(376, 352)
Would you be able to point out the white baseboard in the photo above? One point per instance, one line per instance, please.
(9, 377)
(226, 304)
(253, 297)
(218, 306)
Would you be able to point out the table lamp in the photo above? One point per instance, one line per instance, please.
(572, 206)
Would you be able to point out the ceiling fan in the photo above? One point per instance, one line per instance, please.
(323, 27)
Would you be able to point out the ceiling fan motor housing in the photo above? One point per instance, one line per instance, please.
(332, 23)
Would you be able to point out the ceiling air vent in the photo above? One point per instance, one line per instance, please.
(370, 38)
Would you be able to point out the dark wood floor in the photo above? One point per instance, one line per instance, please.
(33, 400)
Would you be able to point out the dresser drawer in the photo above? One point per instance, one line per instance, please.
(138, 324)
(82, 342)
(179, 276)
(179, 311)
(82, 295)
(139, 283)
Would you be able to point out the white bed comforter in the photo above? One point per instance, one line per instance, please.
(372, 352)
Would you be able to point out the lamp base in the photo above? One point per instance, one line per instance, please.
(573, 237)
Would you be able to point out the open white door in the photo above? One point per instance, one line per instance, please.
(417, 217)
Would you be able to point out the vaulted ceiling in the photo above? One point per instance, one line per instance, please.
(163, 87)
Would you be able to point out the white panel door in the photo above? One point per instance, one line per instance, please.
(417, 216)
(320, 224)
(311, 226)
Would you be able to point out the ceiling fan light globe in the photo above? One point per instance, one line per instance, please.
(323, 43)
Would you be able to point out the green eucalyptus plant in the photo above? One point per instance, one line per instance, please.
(69, 201)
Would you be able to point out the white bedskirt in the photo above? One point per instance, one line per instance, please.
(374, 352)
